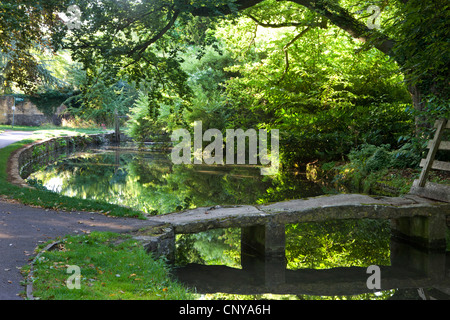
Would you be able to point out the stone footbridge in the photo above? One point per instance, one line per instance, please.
(420, 220)
(417, 220)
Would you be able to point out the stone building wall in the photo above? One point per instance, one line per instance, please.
(25, 114)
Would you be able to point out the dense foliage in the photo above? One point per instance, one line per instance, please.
(352, 95)
(318, 70)
(28, 28)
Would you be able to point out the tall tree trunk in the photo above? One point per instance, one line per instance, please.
(423, 123)
(416, 96)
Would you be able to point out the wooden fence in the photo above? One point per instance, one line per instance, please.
(421, 186)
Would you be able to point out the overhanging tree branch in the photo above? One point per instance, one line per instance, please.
(225, 9)
(345, 21)
(278, 25)
(336, 14)
(139, 49)
(286, 54)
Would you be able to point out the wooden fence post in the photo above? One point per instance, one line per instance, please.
(432, 152)
(421, 186)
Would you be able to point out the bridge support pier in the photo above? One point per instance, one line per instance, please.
(431, 263)
(428, 232)
(266, 240)
(263, 252)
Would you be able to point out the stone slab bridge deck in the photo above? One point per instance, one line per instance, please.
(420, 220)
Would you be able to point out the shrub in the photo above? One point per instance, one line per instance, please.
(379, 160)
(369, 163)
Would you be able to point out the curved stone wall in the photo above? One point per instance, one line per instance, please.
(30, 158)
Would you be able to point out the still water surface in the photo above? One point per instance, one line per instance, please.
(325, 260)
(148, 181)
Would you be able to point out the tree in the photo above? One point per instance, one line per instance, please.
(142, 38)
(28, 27)
(129, 37)
(415, 33)
(321, 94)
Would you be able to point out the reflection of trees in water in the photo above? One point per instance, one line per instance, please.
(340, 243)
(92, 176)
(318, 245)
(213, 247)
(151, 183)
(188, 186)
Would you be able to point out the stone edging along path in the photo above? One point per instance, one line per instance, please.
(42, 152)
(29, 286)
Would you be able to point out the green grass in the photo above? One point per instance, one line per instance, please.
(51, 200)
(109, 269)
(4, 127)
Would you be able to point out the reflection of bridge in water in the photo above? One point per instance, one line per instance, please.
(420, 221)
(410, 269)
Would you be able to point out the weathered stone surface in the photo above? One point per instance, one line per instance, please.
(427, 232)
(335, 207)
(26, 113)
(204, 218)
(22, 161)
(158, 240)
(431, 190)
(266, 240)
(352, 206)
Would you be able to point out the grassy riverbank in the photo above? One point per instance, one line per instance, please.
(375, 170)
(51, 200)
(111, 267)
(388, 182)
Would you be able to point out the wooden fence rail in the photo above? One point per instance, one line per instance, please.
(427, 189)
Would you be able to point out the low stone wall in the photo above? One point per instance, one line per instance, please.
(30, 158)
(26, 113)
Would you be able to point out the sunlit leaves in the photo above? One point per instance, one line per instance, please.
(422, 34)
(325, 98)
(26, 27)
